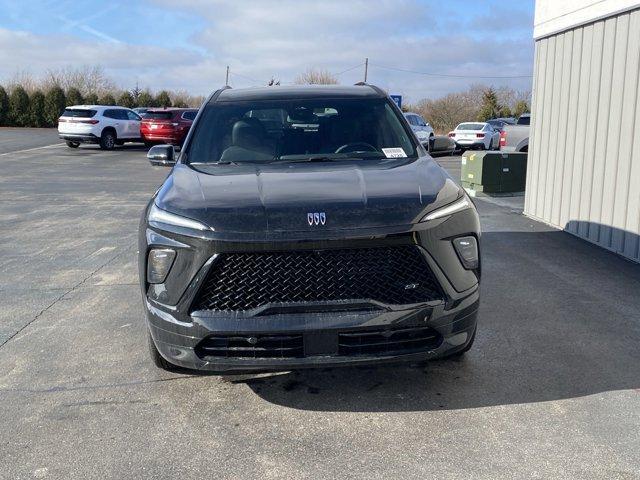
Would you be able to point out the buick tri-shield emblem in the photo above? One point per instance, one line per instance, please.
(316, 218)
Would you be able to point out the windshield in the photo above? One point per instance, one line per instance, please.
(263, 131)
(524, 120)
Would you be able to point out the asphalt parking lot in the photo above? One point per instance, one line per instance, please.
(551, 388)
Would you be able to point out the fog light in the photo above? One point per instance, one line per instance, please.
(467, 250)
(159, 264)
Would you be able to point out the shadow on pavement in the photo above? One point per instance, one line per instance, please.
(559, 319)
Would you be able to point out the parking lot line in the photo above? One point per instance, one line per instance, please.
(32, 149)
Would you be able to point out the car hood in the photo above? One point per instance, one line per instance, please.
(281, 197)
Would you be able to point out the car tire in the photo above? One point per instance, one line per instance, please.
(72, 144)
(119, 142)
(157, 359)
(108, 140)
(490, 144)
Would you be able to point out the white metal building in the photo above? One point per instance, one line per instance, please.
(584, 152)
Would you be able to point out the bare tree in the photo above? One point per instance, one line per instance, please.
(87, 79)
(316, 77)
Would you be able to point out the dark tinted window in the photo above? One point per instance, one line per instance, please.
(117, 114)
(289, 130)
(524, 120)
(78, 112)
(189, 115)
(132, 115)
(470, 126)
(158, 115)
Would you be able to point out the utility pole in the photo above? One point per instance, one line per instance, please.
(366, 68)
(226, 82)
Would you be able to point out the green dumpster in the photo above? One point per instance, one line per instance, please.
(494, 172)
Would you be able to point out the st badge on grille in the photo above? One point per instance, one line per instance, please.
(316, 218)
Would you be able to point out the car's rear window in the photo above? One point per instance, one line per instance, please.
(524, 120)
(78, 112)
(189, 115)
(158, 115)
(297, 130)
(470, 126)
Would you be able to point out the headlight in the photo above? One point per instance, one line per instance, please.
(157, 215)
(467, 250)
(457, 206)
(159, 263)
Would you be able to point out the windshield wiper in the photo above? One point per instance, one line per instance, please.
(311, 159)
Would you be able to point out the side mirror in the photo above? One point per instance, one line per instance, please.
(162, 155)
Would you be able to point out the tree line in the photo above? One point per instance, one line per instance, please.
(29, 102)
(478, 103)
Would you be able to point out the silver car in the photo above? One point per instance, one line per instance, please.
(422, 129)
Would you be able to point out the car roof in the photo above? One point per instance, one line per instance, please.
(298, 92)
(170, 109)
(96, 107)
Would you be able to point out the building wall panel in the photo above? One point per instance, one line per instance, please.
(584, 154)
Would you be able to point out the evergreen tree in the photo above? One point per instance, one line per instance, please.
(126, 100)
(4, 107)
(145, 99)
(54, 104)
(107, 99)
(74, 97)
(163, 99)
(520, 108)
(505, 111)
(19, 107)
(91, 99)
(37, 109)
(490, 108)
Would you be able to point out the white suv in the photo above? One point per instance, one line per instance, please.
(104, 125)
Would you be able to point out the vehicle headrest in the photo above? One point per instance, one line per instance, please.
(247, 133)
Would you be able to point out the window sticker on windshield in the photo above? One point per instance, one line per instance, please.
(396, 152)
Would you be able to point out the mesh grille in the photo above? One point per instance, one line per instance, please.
(391, 275)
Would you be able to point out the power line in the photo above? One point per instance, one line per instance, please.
(445, 75)
(244, 76)
(349, 69)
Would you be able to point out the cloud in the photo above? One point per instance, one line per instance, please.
(265, 39)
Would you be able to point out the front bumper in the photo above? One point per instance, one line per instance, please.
(178, 343)
(178, 331)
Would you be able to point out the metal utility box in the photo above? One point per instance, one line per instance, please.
(494, 172)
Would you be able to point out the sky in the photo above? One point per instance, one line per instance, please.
(187, 44)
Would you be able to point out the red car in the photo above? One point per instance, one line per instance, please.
(166, 125)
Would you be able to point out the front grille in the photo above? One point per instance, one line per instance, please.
(250, 346)
(388, 342)
(396, 275)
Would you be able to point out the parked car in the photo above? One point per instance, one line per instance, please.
(515, 138)
(107, 126)
(422, 129)
(471, 135)
(498, 123)
(281, 248)
(442, 144)
(141, 110)
(166, 125)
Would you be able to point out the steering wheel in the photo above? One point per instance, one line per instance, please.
(351, 147)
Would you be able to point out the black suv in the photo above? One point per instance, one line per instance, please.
(306, 226)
